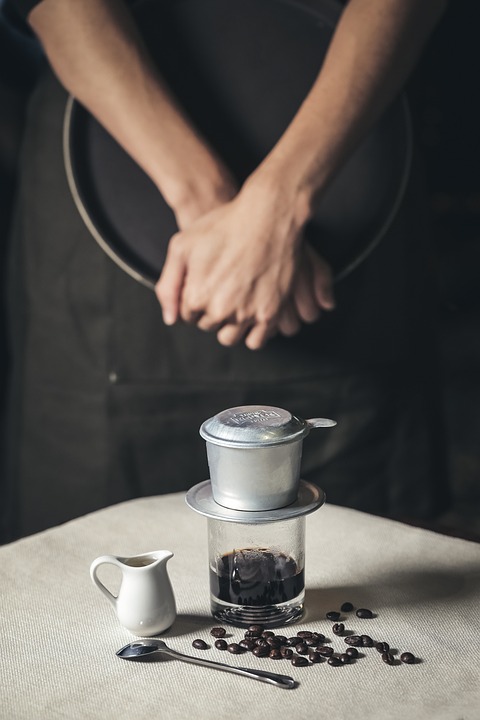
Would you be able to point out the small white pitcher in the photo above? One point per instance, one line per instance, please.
(145, 604)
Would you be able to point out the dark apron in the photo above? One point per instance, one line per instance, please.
(106, 401)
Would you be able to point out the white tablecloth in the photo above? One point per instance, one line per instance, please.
(59, 634)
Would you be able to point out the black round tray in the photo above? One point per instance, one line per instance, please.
(241, 69)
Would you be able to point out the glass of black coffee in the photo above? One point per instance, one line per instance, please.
(257, 571)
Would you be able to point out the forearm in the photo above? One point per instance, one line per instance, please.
(375, 46)
(95, 50)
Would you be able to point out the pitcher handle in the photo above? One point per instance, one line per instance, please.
(102, 560)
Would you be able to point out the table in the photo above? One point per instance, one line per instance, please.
(59, 634)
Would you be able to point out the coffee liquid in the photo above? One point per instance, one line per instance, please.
(256, 577)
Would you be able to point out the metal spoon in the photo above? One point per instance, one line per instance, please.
(139, 648)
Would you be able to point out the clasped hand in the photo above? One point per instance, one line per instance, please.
(243, 271)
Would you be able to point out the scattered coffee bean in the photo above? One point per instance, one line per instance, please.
(315, 657)
(311, 641)
(382, 647)
(325, 650)
(366, 641)
(364, 613)
(333, 615)
(305, 634)
(318, 637)
(338, 629)
(299, 661)
(301, 648)
(261, 642)
(255, 630)
(334, 661)
(200, 644)
(344, 658)
(275, 653)
(282, 639)
(247, 644)
(352, 652)
(267, 633)
(221, 644)
(287, 652)
(235, 648)
(218, 632)
(292, 641)
(346, 607)
(274, 641)
(355, 640)
(407, 657)
(261, 650)
(387, 658)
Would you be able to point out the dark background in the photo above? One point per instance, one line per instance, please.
(443, 91)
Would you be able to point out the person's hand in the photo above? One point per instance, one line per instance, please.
(234, 269)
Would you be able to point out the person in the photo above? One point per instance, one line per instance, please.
(111, 384)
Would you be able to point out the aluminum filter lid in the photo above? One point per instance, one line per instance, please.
(253, 426)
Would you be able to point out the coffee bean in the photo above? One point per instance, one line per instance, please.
(315, 657)
(200, 644)
(311, 641)
(292, 641)
(274, 641)
(407, 657)
(282, 639)
(275, 654)
(305, 634)
(301, 648)
(333, 615)
(261, 650)
(366, 641)
(325, 650)
(318, 637)
(338, 628)
(382, 647)
(235, 649)
(261, 642)
(299, 661)
(256, 630)
(218, 632)
(355, 640)
(344, 658)
(247, 644)
(221, 644)
(364, 613)
(287, 652)
(352, 652)
(387, 658)
(267, 633)
(346, 607)
(334, 661)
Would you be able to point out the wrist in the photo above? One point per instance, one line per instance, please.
(281, 187)
(196, 185)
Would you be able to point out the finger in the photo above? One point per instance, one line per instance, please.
(258, 335)
(169, 287)
(322, 278)
(303, 295)
(288, 321)
(232, 334)
(207, 324)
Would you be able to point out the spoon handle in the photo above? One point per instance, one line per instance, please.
(283, 681)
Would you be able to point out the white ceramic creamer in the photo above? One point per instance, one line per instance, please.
(145, 604)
